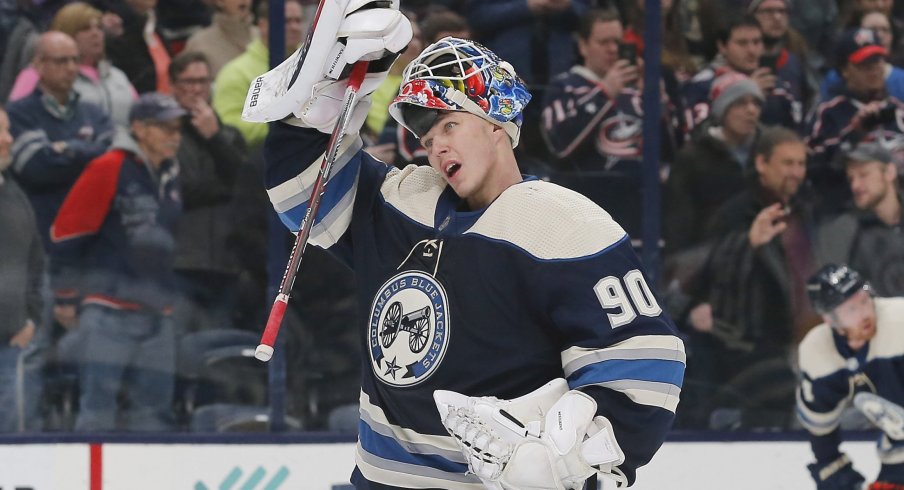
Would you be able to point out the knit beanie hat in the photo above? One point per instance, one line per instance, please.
(728, 89)
(755, 4)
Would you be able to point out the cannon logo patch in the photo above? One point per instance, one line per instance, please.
(409, 329)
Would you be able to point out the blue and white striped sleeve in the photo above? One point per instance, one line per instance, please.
(293, 156)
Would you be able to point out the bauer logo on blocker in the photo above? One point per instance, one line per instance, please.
(408, 331)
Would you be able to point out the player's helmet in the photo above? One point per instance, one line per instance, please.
(832, 285)
(459, 75)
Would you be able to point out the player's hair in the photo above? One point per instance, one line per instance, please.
(74, 18)
(772, 136)
(723, 33)
(182, 60)
(585, 27)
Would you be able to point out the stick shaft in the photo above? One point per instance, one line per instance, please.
(278, 310)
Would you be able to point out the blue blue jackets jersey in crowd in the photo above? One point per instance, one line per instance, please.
(113, 236)
(592, 133)
(492, 302)
(36, 123)
(832, 373)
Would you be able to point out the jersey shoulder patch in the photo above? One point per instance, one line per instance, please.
(414, 191)
(818, 355)
(549, 222)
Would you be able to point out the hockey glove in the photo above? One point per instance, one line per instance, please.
(556, 443)
(836, 475)
(347, 31)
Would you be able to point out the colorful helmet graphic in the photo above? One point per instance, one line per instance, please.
(458, 75)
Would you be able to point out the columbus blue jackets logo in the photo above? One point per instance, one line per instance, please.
(409, 329)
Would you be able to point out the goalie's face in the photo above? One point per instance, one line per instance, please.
(465, 150)
(855, 319)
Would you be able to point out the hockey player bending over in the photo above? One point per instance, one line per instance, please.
(512, 340)
(855, 356)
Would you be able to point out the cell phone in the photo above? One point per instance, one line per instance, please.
(628, 51)
(886, 115)
(785, 217)
(769, 61)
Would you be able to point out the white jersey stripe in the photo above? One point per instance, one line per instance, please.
(819, 423)
(406, 475)
(665, 347)
(297, 190)
(442, 445)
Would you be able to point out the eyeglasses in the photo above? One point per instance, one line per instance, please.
(168, 127)
(773, 11)
(61, 60)
(193, 81)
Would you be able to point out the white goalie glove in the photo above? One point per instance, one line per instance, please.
(547, 439)
(311, 83)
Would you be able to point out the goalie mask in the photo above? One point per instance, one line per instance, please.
(458, 75)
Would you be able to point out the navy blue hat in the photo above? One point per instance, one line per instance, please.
(856, 46)
(155, 107)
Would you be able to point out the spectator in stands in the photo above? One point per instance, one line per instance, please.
(592, 119)
(535, 36)
(18, 35)
(441, 23)
(98, 81)
(714, 166)
(114, 238)
(56, 133)
(21, 278)
(210, 156)
(832, 85)
(751, 296)
(740, 44)
(861, 108)
(675, 54)
(233, 81)
(869, 237)
(140, 51)
(180, 19)
(784, 54)
(816, 21)
(228, 34)
(856, 8)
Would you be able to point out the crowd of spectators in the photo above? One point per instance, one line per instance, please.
(134, 222)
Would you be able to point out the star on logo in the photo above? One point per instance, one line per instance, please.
(391, 368)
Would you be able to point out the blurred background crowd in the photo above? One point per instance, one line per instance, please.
(133, 219)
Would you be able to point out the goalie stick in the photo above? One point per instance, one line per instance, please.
(264, 351)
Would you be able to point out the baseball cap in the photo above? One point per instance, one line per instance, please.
(155, 107)
(856, 46)
(869, 151)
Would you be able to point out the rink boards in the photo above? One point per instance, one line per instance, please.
(324, 463)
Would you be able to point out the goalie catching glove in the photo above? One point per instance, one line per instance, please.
(550, 438)
(311, 83)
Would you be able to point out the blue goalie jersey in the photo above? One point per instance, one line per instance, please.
(541, 284)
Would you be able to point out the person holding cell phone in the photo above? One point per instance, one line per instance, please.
(592, 118)
(741, 47)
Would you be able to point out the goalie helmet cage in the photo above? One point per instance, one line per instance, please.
(277, 256)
